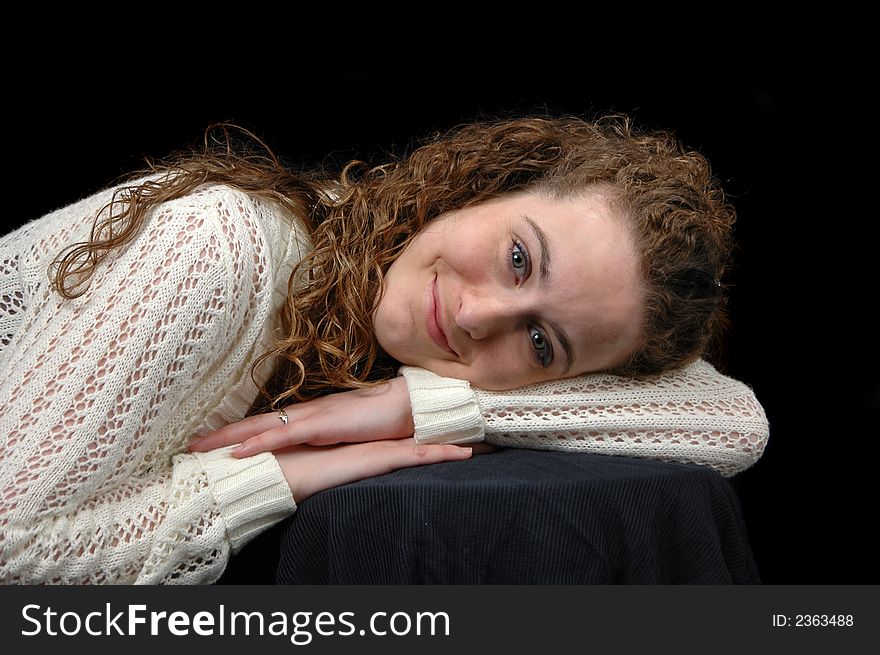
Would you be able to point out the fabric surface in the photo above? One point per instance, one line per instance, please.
(523, 517)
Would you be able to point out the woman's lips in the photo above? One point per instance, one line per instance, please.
(432, 321)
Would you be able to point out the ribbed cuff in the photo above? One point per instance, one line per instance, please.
(251, 492)
(445, 410)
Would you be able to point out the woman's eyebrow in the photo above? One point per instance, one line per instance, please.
(544, 276)
(544, 267)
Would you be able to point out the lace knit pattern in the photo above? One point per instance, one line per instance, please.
(693, 415)
(99, 395)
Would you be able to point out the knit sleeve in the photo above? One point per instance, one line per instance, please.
(99, 396)
(691, 415)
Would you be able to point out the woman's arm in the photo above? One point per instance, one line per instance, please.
(98, 396)
(692, 415)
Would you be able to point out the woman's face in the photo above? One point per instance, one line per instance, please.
(520, 289)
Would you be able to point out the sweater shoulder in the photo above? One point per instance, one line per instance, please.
(246, 226)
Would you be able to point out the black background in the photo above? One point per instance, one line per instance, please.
(785, 134)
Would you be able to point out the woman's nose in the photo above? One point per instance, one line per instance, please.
(483, 315)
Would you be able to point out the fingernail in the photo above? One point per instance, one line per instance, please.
(239, 451)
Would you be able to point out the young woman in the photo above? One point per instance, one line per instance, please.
(549, 283)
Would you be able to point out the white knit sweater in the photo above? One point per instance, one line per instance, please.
(100, 395)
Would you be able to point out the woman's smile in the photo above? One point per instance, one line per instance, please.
(433, 322)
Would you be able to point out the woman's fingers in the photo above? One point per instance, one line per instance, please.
(274, 439)
(386, 456)
(237, 432)
(310, 469)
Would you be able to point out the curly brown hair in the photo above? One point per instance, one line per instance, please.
(360, 220)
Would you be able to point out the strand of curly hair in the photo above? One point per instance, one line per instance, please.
(361, 219)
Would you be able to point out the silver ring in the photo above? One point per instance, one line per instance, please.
(283, 416)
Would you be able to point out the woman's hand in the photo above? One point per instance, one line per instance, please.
(369, 414)
(310, 469)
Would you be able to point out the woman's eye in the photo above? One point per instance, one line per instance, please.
(541, 346)
(519, 259)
